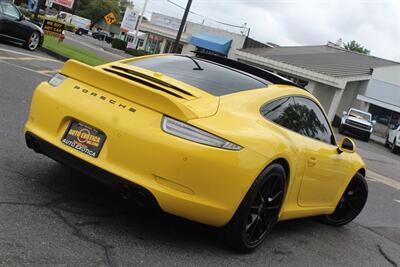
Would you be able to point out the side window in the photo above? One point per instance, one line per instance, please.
(312, 120)
(282, 112)
(10, 10)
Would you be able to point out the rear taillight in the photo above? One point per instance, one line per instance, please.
(189, 132)
(57, 79)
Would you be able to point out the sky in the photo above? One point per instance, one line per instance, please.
(375, 24)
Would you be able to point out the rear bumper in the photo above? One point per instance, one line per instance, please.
(118, 183)
(355, 130)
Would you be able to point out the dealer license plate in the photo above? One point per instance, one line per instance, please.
(84, 138)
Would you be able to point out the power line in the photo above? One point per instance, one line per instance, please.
(217, 21)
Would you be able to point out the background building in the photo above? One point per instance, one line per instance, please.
(161, 32)
(339, 78)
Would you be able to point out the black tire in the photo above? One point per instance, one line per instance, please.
(394, 148)
(387, 142)
(351, 203)
(258, 212)
(79, 32)
(341, 131)
(33, 41)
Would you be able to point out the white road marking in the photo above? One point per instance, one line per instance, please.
(29, 55)
(28, 69)
(398, 201)
(382, 179)
(48, 71)
(6, 58)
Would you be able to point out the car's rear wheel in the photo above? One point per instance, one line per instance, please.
(258, 212)
(33, 41)
(351, 203)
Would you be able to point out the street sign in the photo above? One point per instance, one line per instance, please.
(53, 28)
(110, 18)
(129, 21)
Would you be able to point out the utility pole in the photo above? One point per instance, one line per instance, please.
(183, 22)
(40, 2)
(135, 40)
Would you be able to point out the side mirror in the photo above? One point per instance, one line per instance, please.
(346, 145)
(344, 113)
(373, 121)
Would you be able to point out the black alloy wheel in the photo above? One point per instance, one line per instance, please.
(258, 212)
(351, 203)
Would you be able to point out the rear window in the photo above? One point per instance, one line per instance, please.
(213, 78)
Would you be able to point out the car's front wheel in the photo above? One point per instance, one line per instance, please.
(387, 144)
(341, 130)
(33, 41)
(351, 203)
(394, 148)
(258, 212)
(366, 137)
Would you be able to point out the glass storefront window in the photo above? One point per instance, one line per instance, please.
(384, 116)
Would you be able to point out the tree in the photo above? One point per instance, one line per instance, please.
(96, 9)
(356, 47)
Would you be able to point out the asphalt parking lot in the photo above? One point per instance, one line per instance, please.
(51, 215)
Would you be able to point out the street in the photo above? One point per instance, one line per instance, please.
(51, 215)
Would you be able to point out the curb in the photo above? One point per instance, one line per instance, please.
(54, 54)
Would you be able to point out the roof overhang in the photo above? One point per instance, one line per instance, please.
(216, 43)
(338, 82)
(376, 102)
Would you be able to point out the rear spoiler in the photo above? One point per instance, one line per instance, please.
(142, 92)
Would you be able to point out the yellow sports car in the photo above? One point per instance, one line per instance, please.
(206, 138)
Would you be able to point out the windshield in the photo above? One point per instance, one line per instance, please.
(360, 115)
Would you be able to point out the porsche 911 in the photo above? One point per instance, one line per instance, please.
(203, 137)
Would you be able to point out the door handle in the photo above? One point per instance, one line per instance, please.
(312, 161)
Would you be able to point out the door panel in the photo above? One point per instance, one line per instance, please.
(325, 170)
(325, 173)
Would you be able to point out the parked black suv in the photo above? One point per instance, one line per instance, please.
(14, 27)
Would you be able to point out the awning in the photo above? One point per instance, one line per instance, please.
(213, 42)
